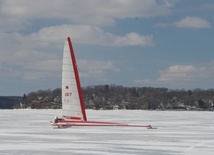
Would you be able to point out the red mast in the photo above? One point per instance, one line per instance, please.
(77, 78)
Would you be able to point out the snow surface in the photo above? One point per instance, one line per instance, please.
(179, 132)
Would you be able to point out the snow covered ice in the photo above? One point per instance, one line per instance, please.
(179, 132)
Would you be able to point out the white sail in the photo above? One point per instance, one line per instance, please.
(71, 103)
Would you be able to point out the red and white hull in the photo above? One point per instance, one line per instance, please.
(71, 122)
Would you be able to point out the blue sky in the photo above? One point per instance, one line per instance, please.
(138, 43)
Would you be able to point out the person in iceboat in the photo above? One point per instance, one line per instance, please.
(56, 119)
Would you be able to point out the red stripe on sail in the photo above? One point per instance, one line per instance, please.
(77, 79)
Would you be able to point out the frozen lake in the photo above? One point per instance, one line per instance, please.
(24, 132)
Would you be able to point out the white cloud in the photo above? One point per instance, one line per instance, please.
(17, 14)
(179, 74)
(45, 65)
(188, 22)
(34, 51)
(192, 22)
(7, 71)
(37, 75)
(84, 34)
(29, 65)
(96, 69)
(13, 72)
(134, 39)
(35, 60)
(97, 65)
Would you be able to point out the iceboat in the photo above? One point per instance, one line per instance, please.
(73, 107)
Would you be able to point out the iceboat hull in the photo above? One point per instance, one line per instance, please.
(70, 123)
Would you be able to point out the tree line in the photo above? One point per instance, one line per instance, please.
(119, 97)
